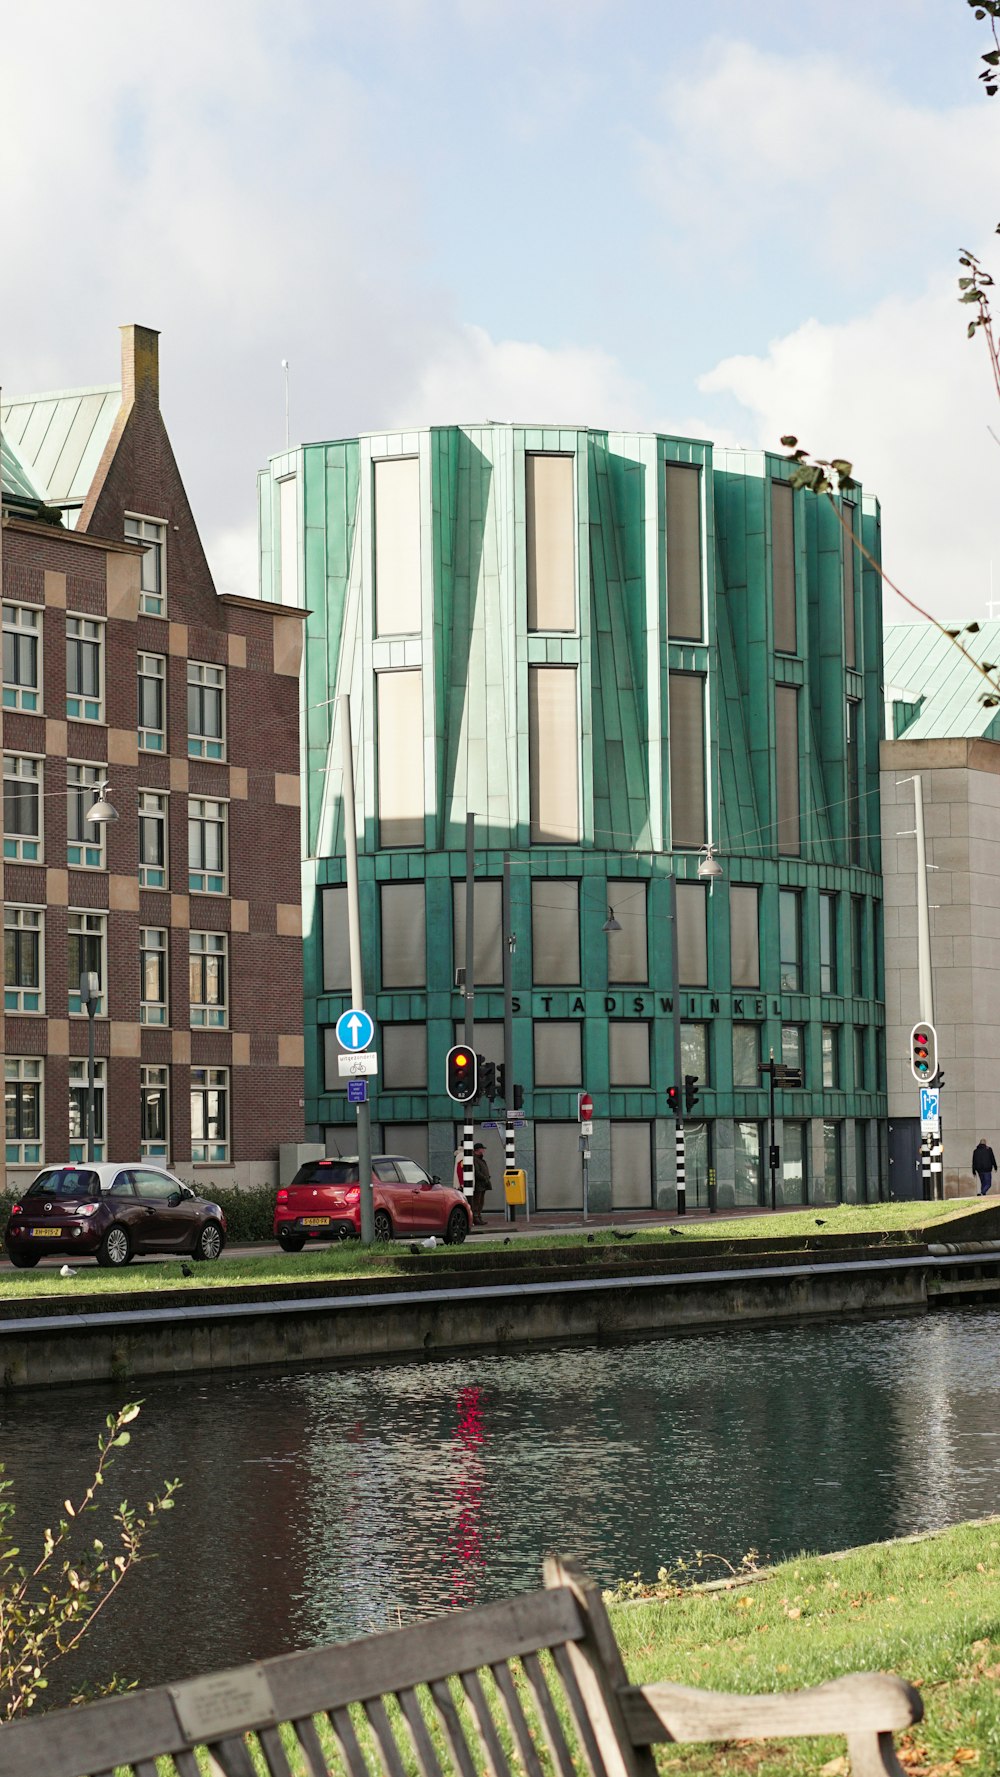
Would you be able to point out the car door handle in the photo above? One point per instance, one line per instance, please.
(150, 1211)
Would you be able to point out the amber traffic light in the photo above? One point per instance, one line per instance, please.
(462, 1074)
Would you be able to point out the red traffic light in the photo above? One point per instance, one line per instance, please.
(923, 1053)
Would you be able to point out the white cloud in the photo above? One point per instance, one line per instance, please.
(908, 399)
(471, 377)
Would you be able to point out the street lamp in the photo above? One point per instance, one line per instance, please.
(102, 809)
(611, 924)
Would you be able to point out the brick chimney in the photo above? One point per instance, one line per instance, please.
(140, 365)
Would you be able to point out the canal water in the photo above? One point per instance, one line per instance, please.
(324, 1504)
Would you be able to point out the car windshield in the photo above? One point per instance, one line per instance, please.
(65, 1181)
(327, 1172)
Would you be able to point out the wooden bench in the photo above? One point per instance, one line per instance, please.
(481, 1690)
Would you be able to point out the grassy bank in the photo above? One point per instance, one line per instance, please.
(927, 1609)
(350, 1260)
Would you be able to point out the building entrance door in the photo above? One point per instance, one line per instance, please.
(906, 1182)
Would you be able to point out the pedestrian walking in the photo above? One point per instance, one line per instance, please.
(481, 1183)
(984, 1165)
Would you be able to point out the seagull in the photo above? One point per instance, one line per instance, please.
(66, 1271)
(430, 1241)
(618, 1235)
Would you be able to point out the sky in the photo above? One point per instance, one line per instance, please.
(719, 220)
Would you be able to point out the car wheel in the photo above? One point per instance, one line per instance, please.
(115, 1249)
(209, 1243)
(457, 1229)
(23, 1261)
(291, 1243)
(383, 1225)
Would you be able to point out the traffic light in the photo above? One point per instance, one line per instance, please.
(673, 1100)
(923, 1052)
(489, 1086)
(691, 1093)
(461, 1077)
(517, 1098)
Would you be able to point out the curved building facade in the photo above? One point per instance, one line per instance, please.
(612, 649)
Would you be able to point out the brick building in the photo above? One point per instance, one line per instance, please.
(123, 664)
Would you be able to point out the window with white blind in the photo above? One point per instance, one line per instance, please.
(558, 1167)
(628, 1052)
(558, 1052)
(336, 944)
(549, 534)
(553, 755)
(692, 934)
(22, 808)
(399, 706)
(486, 932)
(850, 618)
(628, 950)
(786, 766)
(783, 567)
(683, 520)
(744, 935)
(404, 940)
(403, 1057)
(687, 759)
(397, 546)
(555, 931)
(631, 1165)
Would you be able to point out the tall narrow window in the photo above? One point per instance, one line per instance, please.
(404, 935)
(631, 1165)
(206, 688)
(790, 940)
(336, 947)
(696, 1051)
(23, 969)
(153, 975)
(553, 755)
(687, 759)
(794, 1162)
(288, 520)
(748, 1164)
(853, 784)
(207, 958)
(154, 1090)
(78, 1084)
(550, 544)
(22, 808)
(22, 679)
(152, 678)
(628, 950)
(857, 945)
(827, 943)
(683, 519)
(23, 1110)
(486, 932)
(786, 766)
(793, 1048)
(850, 639)
(744, 935)
(860, 1058)
(783, 567)
(404, 1057)
(152, 534)
(746, 1056)
(206, 846)
(84, 839)
(84, 669)
(830, 1051)
(692, 935)
(152, 839)
(209, 1114)
(397, 546)
(831, 1183)
(88, 937)
(399, 702)
(555, 931)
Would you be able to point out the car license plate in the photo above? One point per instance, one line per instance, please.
(46, 1233)
(315, 1221)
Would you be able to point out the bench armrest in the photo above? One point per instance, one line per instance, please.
(866, 1702)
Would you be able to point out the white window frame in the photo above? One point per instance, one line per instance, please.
(78, 1085)
(99, 930)
(84, 853)
(153, 533)
(204, 1081)
(204, 811)
(203, 677)
(25, 848)
(20, 1151)
(17, 997)
(91, 631)
(18, 695)
(154, 1011)
(204, 1013)
(154, 805)
(152, 666)
(154, 1079)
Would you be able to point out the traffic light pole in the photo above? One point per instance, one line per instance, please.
(773, 1154)
(675, 948)
(469, 1131)
(367, 1202)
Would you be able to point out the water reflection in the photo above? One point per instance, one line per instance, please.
(322, 1504)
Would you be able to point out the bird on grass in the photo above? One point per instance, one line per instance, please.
(618, 1235)
(820, 1222)
(66, 1271)
(673, 1231)
(187, 1270)
(590, 1240)
(507, 1240)
(413, 1247)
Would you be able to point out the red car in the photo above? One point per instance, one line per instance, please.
(323, 1202)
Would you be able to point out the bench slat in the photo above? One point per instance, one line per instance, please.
(454, 1733)
(309, 1741)
(517, 1721)
(423, 1746)
(486, 1730)
(232, 1756)
(274, 1752)
(578, 1709)
(348, 1741)
(596, 1661)
(187, 1764)
(552, 1727)
(867, 1700)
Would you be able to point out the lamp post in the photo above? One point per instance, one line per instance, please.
(101, 812)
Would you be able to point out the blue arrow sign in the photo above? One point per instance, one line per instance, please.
(354, 1030)
(930, 1104)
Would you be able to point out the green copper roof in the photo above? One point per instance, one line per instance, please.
(934, 691)
(15, 483)
(60, 437)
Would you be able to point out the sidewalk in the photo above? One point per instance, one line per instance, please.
(571, 1221)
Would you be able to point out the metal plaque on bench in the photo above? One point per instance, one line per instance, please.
(224, 1703)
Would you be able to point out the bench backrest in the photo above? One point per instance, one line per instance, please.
(479, 1690)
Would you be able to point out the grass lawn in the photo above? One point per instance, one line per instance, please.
(350, 1260)
(928, 1610)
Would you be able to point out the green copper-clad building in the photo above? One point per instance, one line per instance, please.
(613, 649)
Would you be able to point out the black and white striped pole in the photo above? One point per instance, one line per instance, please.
(675, 1007)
